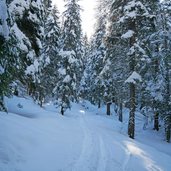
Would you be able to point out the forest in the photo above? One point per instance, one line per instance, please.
(126, 63)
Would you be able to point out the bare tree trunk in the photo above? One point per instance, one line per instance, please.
(41, 101)
(120, 112)
(131, 125)
(156, 121)
(99, 104)
(168, 115)
(168, 128)
(108, 108)
(168, 93)
(15, 91)
(62, 110)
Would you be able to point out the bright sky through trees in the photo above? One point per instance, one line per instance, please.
(87, 15)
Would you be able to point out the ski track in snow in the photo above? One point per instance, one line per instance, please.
(103, 159)
(92, 157)
(96, 154)
(126, 161)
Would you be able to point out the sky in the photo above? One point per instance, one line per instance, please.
(87, 14)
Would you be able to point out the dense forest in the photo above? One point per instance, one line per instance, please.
(126, 62)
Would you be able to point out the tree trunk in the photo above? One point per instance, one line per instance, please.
(168, 117)
(99, 104)
(41, 101)
(167, 102)
(131, 125)
(108, 108)
(16, 91)
(62, 110)
(156, 121)
(168, 135)
(120, 112)
(168, 128)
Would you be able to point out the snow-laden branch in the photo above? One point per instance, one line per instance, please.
(133, 78)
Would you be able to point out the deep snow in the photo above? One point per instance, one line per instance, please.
(85, 139)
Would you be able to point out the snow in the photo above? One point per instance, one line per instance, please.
(30, 55)
(133, 78)
(66, 53)
(84, 139)
(132, 10)
(106, 67)
(131, 50)
(33, 68)
(23, 40)
(17, 7)
(140, 49)
(67, 79)
(38, 42)
(133, 4)
(128, 34)
(72, 59)
(47, 61)
(70, 55)
(4, 31)
(131, 14)
(33, 17)
(62, 71)
(36, 4)
(1, 70)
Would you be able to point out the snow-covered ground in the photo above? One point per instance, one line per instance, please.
(85, 139)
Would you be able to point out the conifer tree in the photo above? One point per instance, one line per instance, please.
(116, 66)
(96, 57)
(72, 34)
(9, 61)
(151, 71)
(4, 33)
(50, 54)
(165, 55)
(131, 20)
(71, 55)
(27, 25)
(86, 46)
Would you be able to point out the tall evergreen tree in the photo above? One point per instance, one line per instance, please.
(9, 55)
(165, 51)
(72, 34)
(96, 56)
(71, 55)
(4, 33)
(27, 25)
(132, 21)
(151, 71)
(50, 54)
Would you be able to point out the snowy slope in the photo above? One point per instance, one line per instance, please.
(85, 139)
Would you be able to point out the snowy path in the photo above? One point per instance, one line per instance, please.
(106, 150)
(79, 141)
(93, 154)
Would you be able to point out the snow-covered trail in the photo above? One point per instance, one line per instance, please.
(82, 140)
(104, 149)
(92, 156)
